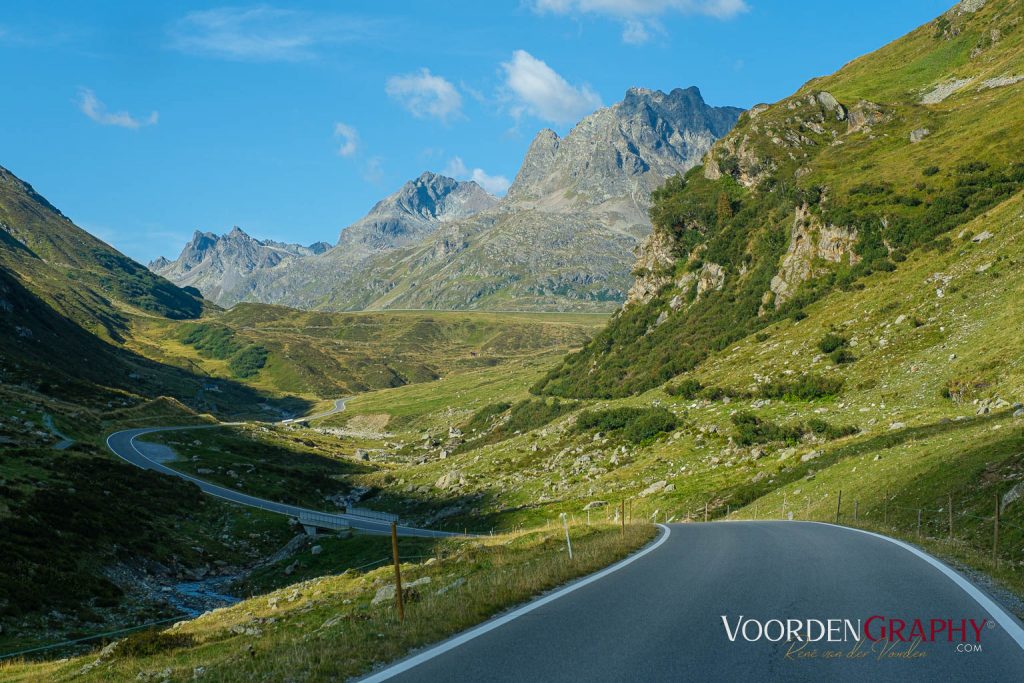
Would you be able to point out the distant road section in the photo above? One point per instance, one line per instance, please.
(123, 445)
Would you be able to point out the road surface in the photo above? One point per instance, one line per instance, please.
(123, 445)
(659, 618)
(339, 405)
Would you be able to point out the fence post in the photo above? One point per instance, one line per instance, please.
(839, 505)
(568, 543)
(856, 511)
(919, 522)
(950, 516)
(728, 510)
(630, 510)
(705, 511)
(995, 534)
(885, 519)
(785, 501)
(398, 572)
(622, 514)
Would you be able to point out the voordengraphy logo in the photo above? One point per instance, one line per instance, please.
(877, 634)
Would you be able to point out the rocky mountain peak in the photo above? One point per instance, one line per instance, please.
(626, 149)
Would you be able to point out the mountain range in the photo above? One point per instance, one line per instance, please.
(561, 239)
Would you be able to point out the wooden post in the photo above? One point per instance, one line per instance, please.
(950, 516)
(705, 511)
(839, 505)
(995, 533)
(622, 514)
(398, 572)
(856, 511)
(919, 523)
(784, 503)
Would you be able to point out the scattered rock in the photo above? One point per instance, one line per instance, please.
(982, 236)
(896, 425)
(811, 455)
(919, 134)
(594, 504)
(316, 550)
(656, 487)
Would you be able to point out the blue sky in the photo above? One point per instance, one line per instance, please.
(145, 121)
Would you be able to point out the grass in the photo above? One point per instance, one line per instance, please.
(328, 628)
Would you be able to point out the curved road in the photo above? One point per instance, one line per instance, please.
(659, 617)
(122, 444)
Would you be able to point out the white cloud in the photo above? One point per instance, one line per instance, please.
(720, 9)
(635, 32)
(425, 94)
(91, 106)
(262, 33)
(349, 139)
(495, 184)
(639, 17)
(539, 90)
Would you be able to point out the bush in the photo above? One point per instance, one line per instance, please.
(248, 362)
(832, 342)
(842, 356)
(687, 388)
(752, 430)
(635, 424)
(930, 171)
(807, 387)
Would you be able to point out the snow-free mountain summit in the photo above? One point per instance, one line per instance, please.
(562, 238)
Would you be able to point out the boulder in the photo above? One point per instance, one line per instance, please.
(316, 550)
(656, 487)
(811, 455)
(594, 504)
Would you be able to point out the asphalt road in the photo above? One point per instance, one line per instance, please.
(123, 445)
(659, 618)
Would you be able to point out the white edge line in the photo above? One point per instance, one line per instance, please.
(1008, 623)
(487, 626)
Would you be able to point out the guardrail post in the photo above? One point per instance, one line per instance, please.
(398, 572)
(839, 505)
(568, 543)
(995, 533)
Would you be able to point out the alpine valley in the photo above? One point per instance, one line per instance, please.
(808, 311)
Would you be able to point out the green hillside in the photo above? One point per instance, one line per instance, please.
(847, 177)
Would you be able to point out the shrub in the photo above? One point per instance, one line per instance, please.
(248, 362)
(634, 423)
(149, 643)
(686, 388)
(930, 171)
(806, 387)
(832, 342)
(751, 430)
(842, 356)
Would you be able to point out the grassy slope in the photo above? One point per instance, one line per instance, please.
(328, 629)
(327, 355)
(799, 153)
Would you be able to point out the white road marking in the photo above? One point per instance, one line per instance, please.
(1009, 624)
(487, 626)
